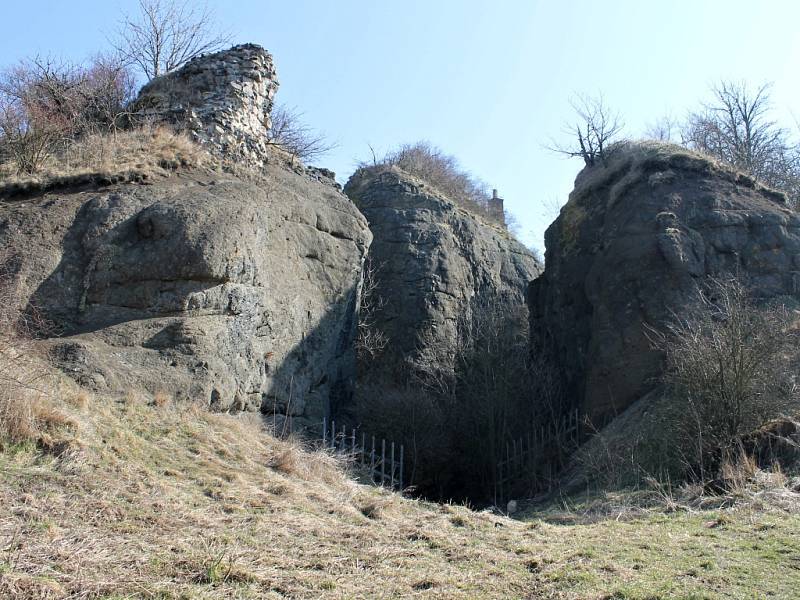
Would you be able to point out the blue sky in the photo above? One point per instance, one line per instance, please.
(489, 82)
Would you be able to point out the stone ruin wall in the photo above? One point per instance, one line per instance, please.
(223, 100)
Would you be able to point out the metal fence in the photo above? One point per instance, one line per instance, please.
(536, 457)
(382, 460)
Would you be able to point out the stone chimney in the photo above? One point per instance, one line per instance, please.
(223, 100)
(496, 210)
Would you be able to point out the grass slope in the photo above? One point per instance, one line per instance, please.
(150, 500)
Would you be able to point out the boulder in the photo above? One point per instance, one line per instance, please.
(639, 233)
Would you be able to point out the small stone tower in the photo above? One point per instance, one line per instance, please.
(496, 210)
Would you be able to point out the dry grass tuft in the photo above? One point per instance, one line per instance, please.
(162, 399)
(293, 459)
(106, 158)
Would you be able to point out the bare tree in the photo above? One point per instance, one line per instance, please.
(664, 129)
(594, 131)
(736, 128)
(290, 133)
(165, 34)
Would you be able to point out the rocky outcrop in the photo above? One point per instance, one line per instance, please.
(223, 100)
(237, 292)
(627, 252)
(238, 295)
(433, 261)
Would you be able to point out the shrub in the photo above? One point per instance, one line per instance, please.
(298, 139)
(458, 402)
(730, 367)
(44, 104)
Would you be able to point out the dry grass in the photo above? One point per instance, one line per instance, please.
(106, 158)
(175, 502)
(162, 399)
(28, 414)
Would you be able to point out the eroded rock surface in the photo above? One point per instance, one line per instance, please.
(433, 261)
(628, 250)
(236, 294)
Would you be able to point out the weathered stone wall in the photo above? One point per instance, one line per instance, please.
(223, 99)
(628, 250)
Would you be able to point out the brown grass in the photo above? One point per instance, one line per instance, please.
(162, 399)
(105, 158)
(175, 502)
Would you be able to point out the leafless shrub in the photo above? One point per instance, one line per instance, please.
(24, 143)
(44, 104)
(165, 34)
(596, 128)
(467, 397)
(290, 133)
(664, 129)
(441, 171)
(730, 367)
(370, 339)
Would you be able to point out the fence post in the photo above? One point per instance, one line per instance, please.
(392, 469)
(333, 434)
(372, 461)
(401, 468)
(363, 447)
(344, 438)
(383, 461)
(324, 432)
(353, 444)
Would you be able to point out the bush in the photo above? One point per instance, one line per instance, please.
(44, 105)
(298, 139)
(730, 367)
(460, 402)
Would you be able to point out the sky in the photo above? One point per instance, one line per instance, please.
(488, 82)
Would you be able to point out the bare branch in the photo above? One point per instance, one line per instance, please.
(166, 34)
(597, 127)
(290, 133)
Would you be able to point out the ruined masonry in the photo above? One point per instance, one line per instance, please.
(223, 99)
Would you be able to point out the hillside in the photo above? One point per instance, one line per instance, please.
(147, 500)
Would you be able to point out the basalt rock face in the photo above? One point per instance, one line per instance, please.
(433, 262)
(239, 295)
(628, 251)
(223, 100)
